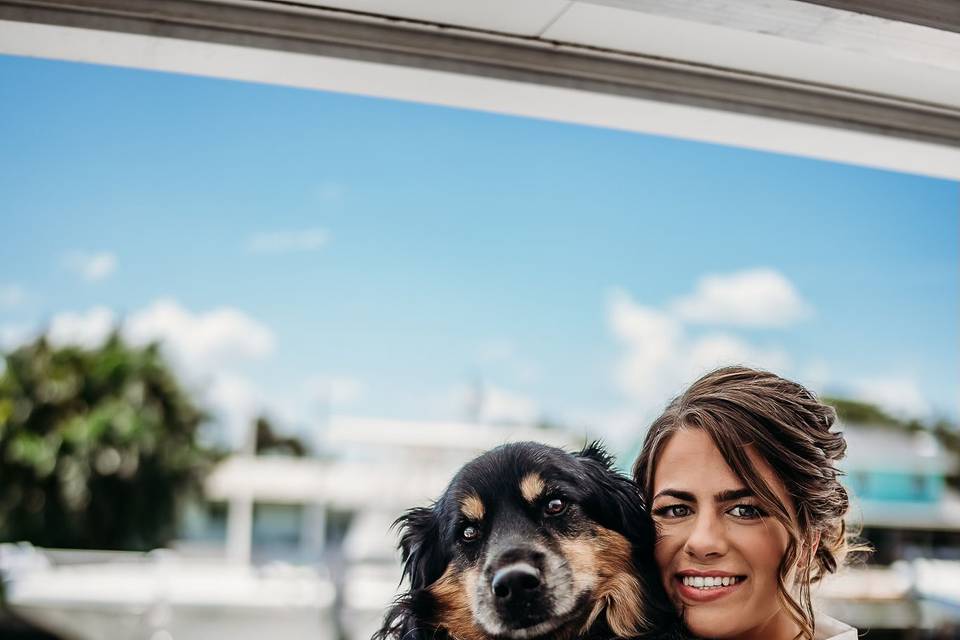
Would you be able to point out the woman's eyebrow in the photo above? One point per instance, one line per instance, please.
(733, 494)
(724, 496)
(679, 495)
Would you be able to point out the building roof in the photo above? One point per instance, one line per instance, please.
(890, 449)
(464, 440)
(943, 515)
(393, 464)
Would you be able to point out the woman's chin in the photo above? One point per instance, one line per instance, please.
(716, 620)
(704, 624)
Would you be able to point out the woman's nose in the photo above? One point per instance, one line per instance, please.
(707, 539)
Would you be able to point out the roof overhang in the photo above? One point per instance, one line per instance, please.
(793, 77)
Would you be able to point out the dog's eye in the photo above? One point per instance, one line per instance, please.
(555, 507)
(470, 532)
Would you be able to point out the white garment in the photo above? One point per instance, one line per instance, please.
(830, 629)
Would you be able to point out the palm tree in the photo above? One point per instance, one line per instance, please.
(97, 446)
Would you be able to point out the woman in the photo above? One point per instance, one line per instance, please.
(739, 472)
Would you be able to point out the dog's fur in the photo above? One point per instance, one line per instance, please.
(584, 573)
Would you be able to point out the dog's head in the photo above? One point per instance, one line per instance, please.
(528, 541)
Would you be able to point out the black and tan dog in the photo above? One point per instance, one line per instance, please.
(530, 542)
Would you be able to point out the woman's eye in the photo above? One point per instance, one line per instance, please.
(555, 507)
(746, 512)
(673, 511)
(470, 532)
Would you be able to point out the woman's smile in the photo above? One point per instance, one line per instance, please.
(706, 586)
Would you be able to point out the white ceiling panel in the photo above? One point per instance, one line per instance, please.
(483, 93)
(710, 70)
(524, 17)
(814, 24)
(832, 61)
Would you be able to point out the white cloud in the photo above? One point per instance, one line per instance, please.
(490, 404)
(660, 358)
(92, 266)
(11, 295)
(815, 375)
(88, 329)
(501, 405)
(14, 335)
(288, 241)
(200, 343)
(716, 350)
(333, 390)
(235, 401)
(753, 298)
(621, 427)
(652, 339)
(207, 348)
(899, 395)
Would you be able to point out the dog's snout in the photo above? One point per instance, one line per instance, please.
(515, 582)
(520, 554)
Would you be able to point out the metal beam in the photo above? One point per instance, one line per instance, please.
(289, 27)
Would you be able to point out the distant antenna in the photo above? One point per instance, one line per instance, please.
(475, 400)
(324, 408)
(249, 445)
(325, 404)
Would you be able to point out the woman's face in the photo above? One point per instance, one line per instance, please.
(718, 552)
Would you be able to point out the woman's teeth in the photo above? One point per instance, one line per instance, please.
(709, 582)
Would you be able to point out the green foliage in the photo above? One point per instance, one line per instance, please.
(267, 440)
(97, 447)
(864, 413)
(948, 435)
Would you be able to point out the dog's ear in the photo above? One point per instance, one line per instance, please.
(617, 504)
(596, 451)
(420, 548)
(423, 563)
(615, 500)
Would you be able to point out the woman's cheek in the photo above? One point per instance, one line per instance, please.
(763, 547)
(664, 553)
(767, 544)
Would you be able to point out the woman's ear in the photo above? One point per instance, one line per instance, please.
(814, 544)
(807, 555)
(810, 552)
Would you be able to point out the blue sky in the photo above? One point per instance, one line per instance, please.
(295, 245)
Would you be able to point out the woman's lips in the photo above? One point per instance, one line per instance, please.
(694, 594)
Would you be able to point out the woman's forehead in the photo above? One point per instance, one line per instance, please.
(690, 461)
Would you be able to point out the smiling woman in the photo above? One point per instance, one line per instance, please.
(740, 474)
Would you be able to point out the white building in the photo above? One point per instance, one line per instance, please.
(371, 471)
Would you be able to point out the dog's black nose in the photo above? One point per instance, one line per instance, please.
(515, 582)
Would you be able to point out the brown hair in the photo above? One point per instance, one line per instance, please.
(792, 432)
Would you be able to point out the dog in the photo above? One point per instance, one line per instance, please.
(530, 542)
